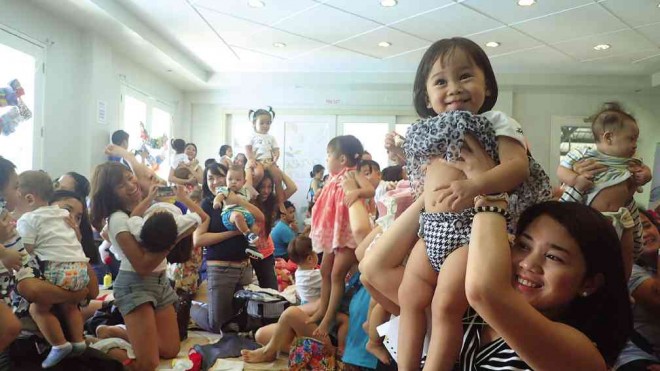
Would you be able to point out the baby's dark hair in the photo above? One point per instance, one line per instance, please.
(159, 232)
(178, 145)
(183, 172)
(118, 137)
(392, 173)
(223, 149)
(36, 182)
(253, 114)
(316, 169)
(6, 169)
(299, 249)
(348, 146)
(444, 49)
(237, 168)
(373, 165)
(611, 117)
(209, 161)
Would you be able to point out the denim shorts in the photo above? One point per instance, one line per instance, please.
(132, 290)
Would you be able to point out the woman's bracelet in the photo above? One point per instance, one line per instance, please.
(493, 209)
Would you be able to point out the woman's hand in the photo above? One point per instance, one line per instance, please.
(76, 228)
(475, 161)
(7, 228)
(11, 259)
(153, 192)
(589, 168)
(458, 194)
(393, 144)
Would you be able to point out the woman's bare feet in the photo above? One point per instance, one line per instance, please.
(379, 351)
(258, 355)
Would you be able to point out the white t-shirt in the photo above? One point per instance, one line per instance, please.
(183, 222)
(263, 146)
(53, 239)
(506, 126)
(179, 159)
(118, 223)
(308, 284)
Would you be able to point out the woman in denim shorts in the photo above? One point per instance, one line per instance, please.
(228, 266)
(142, 291)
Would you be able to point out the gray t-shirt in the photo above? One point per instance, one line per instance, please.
(646, 323)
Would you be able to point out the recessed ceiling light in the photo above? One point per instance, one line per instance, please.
(526, 2)
(388, 3)
(602, 47)
(279, 45)
(492, 44)
(384, 44)
(256, 4)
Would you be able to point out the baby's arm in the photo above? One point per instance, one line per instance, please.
(142, 207)
(218, 200)
(512, 171)
(276, 154)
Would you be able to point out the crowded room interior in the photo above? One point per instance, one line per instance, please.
(330, 185)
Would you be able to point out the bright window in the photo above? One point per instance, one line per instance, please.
(138, 109)
(135, 112)
(18, 146)
(161, 125)
(372, 136)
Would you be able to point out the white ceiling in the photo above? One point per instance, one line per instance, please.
(341, 36)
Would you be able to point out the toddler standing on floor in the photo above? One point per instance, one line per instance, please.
(331, 231)
(48, 232)
(454, 91)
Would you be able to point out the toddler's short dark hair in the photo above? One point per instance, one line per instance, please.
(182, 172)
(159, 232)
(299, 249)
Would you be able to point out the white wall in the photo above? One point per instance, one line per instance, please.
(81, 69)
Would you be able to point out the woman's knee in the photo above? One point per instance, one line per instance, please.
(11, 327)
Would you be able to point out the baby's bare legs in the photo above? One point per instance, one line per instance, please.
(238, 220)
(74, 321)
(326, 284)
(375, 346)
(258, 173)
(449, 305)
(343, 261)
(415, 295)
(48, 324)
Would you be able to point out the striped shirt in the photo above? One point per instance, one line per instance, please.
(496, 355)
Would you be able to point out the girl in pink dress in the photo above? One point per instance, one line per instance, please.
(331, 232)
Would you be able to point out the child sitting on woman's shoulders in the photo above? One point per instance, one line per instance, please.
(308, 275)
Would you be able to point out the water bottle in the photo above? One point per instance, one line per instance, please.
(107, 280)
(181, 364)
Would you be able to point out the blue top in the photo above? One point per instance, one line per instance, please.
(281, 234)
(355, 352)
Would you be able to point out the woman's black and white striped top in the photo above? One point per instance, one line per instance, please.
(496, 355)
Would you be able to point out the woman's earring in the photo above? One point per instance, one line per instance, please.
(584, 294)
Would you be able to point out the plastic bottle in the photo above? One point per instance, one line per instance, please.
(181, 364)
(107, 280)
